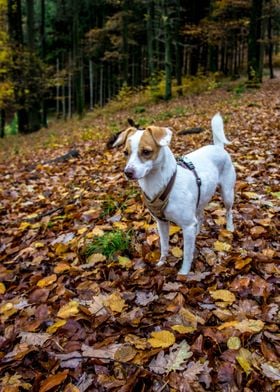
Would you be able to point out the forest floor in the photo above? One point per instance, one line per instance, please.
(71, 321)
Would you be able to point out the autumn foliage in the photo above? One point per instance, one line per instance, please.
(74, 318)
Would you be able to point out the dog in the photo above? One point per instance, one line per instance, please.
(191, 184)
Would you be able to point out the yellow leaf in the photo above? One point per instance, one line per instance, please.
(140, 343)
(250, 195)
(6, 307)
(96, 232)
(152, 238)
(190, 318)
(182, 328)
(54, 327)
(68, 310)
(2, 288)
(82, 230)
(96, 258)
(240, 263)
(174, 229)
(224, 295)
(234, 343)
(125, 262)
(115, 302)
(61, 267)
(120, 225)
(244, 359)
(176, 251)
(23, 226)
(47, 281)
(39, 244)
(222, 246)
(60, 248)
(250, 325)
(227, 324)
(162, 339)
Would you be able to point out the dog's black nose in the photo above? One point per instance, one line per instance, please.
(129, 173)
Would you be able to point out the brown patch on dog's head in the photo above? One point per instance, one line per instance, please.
(152, 140)
(123, 136)
(161, 135)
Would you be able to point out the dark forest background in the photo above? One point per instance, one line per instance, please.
(60, 57)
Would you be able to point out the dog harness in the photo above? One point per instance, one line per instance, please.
(159, 203)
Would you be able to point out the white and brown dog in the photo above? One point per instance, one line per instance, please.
(186, 190)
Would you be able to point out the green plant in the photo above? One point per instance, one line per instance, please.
(110, 244)
(109, 206)
(12, 127)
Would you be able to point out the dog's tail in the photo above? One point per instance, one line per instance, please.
(218, 130)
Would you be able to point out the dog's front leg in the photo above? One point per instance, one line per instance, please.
(163, 228)
(189, 233)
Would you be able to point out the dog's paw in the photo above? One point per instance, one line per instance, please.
(183, 272)
(161, 261)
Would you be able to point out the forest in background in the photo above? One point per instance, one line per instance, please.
(65, 57)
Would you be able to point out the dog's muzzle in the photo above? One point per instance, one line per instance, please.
(130, 173)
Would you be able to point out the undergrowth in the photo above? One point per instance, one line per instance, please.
(110, 244)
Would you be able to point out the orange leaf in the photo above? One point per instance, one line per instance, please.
(53, 381)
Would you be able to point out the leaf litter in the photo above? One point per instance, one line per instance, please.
(78, 321)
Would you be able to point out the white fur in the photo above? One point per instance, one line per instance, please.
(214, 167)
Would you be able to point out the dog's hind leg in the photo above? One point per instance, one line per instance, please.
(189, 233)
(163, 228)
(200, 219)
(227, 191)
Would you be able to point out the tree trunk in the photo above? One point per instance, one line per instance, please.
(270, 42)
(167, 52)
(254, 44)
(43, 54)
(2, 122)
(16, 36)
(90, 85)
(34, 116)
(150, 37)
(78, 82)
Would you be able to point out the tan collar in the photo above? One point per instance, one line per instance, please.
(159, 203)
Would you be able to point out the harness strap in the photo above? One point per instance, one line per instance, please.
(158, 204)
(185, 163)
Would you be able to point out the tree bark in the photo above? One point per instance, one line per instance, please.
(254, 45)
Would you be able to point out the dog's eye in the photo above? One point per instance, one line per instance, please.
(125, 153)
(146, 153)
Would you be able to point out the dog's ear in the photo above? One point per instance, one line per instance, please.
(161, 135)
(123, 136)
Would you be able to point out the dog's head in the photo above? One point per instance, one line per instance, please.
(143, 149)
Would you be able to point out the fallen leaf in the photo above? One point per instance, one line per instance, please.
(115, 302)
(244, 358)
(222, 246)
(68, 310)
(176, 251)
(47, 281)
(224, 295)
(125, 353)
(234, 343)
(53, 381)
(161, 339)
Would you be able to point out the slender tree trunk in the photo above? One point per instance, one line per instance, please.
(270, 42)
(43, 55)
(2, 122)
(78, 81)
(16, 36)
(69, 87)
(57, 90)
(90, 85)
(167, 52)
(101, 87)
(254, 44)
(34, 116)
(150, 36)
(125, 43)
